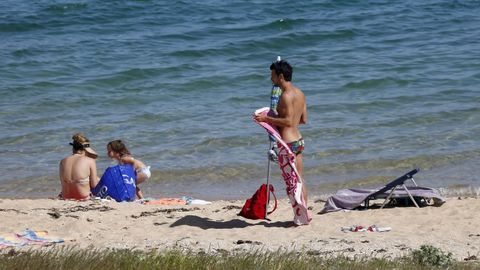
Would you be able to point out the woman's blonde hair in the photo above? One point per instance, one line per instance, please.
(78, 140)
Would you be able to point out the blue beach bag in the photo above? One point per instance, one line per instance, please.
(118, 182)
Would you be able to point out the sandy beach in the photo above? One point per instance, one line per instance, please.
(453, 227)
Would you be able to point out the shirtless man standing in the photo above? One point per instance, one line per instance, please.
(292, 111)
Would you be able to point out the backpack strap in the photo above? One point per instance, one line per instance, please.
(275, 197)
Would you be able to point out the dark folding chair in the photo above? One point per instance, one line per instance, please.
(393, 185)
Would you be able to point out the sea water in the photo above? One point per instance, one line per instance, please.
(390, 86)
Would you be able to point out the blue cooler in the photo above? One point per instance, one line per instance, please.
(118, 182)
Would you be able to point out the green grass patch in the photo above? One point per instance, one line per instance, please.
(427, 257)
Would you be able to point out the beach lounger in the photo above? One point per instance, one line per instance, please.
(392, 187)
(395, 190)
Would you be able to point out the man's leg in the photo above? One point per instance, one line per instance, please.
(299, 165)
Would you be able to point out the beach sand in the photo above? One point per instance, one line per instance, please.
(453, 227)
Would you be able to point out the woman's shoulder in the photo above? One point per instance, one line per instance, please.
(138, 164)
(67, 159)
(84, 159)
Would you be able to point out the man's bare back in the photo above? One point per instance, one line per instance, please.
(292, 109)
(292, 106)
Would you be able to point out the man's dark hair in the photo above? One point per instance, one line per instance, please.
(282, 67)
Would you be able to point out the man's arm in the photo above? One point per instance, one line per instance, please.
(287, 111)
(94, 179)
(304, 117)
(60, 166)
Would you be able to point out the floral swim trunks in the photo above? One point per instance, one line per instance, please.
(297, 147)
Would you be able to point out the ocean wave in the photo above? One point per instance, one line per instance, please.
(269, 40)
(65, 7)
(375, 83)
(442, 116)
(394, 164)
(19, 27)
(124, 77)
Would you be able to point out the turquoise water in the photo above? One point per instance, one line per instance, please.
(390, 85)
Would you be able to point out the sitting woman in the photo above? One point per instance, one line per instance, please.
(118, 151)
(78, 172)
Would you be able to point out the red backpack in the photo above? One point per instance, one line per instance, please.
(255, 207)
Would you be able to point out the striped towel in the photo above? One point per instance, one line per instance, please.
(38, 237)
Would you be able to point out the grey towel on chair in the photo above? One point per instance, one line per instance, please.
(354, 197)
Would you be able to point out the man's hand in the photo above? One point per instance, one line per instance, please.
(260, 117)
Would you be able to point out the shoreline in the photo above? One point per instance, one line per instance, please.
(217, 228)
(15, 189)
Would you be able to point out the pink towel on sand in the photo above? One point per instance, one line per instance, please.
(167, 201)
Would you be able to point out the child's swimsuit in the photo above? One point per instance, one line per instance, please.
(145, 170)
(297, 147)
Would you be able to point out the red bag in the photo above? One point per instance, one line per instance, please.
(255, 207)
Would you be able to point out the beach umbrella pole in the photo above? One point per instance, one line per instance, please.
(268, 180)
(274, 97)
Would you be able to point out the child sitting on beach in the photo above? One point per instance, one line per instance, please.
(117, 150)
